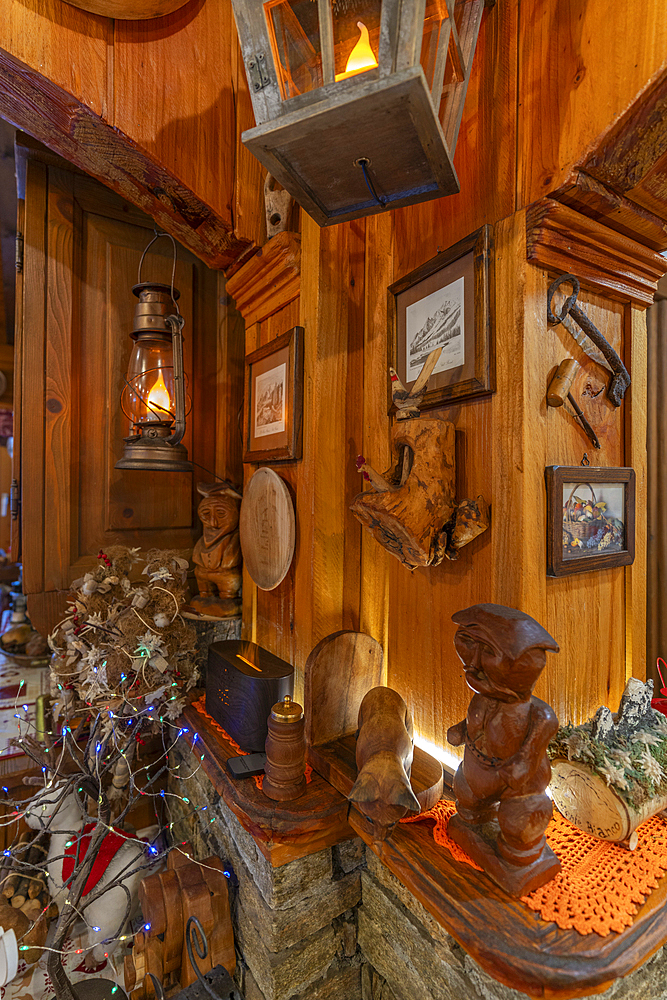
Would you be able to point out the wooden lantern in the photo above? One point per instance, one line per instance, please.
(358, 102)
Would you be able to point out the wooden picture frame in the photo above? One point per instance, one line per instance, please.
(460, 281)
(590, 518)
(273, 400)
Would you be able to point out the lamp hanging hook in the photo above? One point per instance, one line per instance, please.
(157, 236)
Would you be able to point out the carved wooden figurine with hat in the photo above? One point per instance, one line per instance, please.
(502, 806)
(217, 554)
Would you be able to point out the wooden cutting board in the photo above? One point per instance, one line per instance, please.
(267, 528)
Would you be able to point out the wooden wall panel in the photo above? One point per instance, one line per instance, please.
(580, 65)
(485, 158)
(67, 45)
(186, 118)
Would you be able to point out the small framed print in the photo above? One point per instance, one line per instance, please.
(446, 303)
(590, 518)
(273, 402)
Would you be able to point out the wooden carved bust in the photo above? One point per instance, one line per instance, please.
(502, 807)
(217, 554)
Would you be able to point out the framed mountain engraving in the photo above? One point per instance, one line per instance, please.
(273, 401)
(446, 303)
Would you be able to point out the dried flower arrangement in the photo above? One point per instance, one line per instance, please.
(627, 749)
(124, 644)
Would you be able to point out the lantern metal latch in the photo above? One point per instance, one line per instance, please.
(258, 73)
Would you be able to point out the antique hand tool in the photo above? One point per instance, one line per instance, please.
(620, 380)
(559, 391)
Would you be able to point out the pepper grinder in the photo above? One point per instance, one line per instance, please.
(284, 776)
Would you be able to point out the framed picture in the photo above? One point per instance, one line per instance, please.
(590, 518)
(446, 303)
(273, 401)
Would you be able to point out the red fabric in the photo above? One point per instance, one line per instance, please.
(109, 847)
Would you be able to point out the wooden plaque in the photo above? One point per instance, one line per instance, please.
(267, 528)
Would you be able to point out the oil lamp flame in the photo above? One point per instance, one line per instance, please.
(159, 401)
(361, 56)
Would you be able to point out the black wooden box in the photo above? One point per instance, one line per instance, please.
(243, 683)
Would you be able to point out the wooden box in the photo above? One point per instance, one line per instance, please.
(243, 682)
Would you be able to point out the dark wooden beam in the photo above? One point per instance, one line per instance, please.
(70, 128)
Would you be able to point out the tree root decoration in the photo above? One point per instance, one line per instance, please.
(419, 520)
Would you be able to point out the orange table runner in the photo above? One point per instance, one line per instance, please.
(200, 706)
(601, 885)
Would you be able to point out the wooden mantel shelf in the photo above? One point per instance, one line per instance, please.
(512, 943)
(507, 939)
(283, 831)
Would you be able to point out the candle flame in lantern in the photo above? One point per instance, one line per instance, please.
(361, 56)
(159, 399)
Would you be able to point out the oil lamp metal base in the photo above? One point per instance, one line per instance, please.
(153, 454)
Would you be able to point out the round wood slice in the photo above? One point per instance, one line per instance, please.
(585, 799)
(129, 10)
(267, 529)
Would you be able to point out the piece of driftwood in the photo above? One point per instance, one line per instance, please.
(502, 807)
(217, 554)
(382, 791)
(277, 206)
(607, 776)
(284, 772)
(412, 510)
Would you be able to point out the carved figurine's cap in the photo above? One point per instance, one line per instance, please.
(224, 487)
(508, 630)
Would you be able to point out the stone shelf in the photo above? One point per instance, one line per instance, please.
(283, 831)
(510, 942)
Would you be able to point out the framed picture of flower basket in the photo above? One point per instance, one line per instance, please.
(590, 518)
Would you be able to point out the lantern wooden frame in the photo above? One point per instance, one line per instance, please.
(405, 130)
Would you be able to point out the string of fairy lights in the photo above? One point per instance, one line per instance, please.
(139, 717)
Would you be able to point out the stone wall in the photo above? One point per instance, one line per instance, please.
(338, 925)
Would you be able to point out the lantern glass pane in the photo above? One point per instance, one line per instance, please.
(294, 31)
(149, 396)
(435, 38)
(356, 34)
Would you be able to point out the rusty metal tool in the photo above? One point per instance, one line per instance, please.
(559, 391)
(620, 380)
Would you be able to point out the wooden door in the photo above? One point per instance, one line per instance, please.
(82, 246)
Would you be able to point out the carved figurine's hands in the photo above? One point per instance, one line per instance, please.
(456, 734)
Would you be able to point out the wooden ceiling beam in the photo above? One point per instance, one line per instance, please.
(70, 128)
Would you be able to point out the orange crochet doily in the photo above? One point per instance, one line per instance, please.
(200, 706)
(601, 885)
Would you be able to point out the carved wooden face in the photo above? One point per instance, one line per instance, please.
(492, 673)
(220, 513)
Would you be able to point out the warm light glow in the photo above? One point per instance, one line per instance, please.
(361, 56)
(159, 398)
(450, 760)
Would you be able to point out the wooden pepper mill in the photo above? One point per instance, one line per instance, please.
(285, 752)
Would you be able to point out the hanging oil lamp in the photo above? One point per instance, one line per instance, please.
(153, 397)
